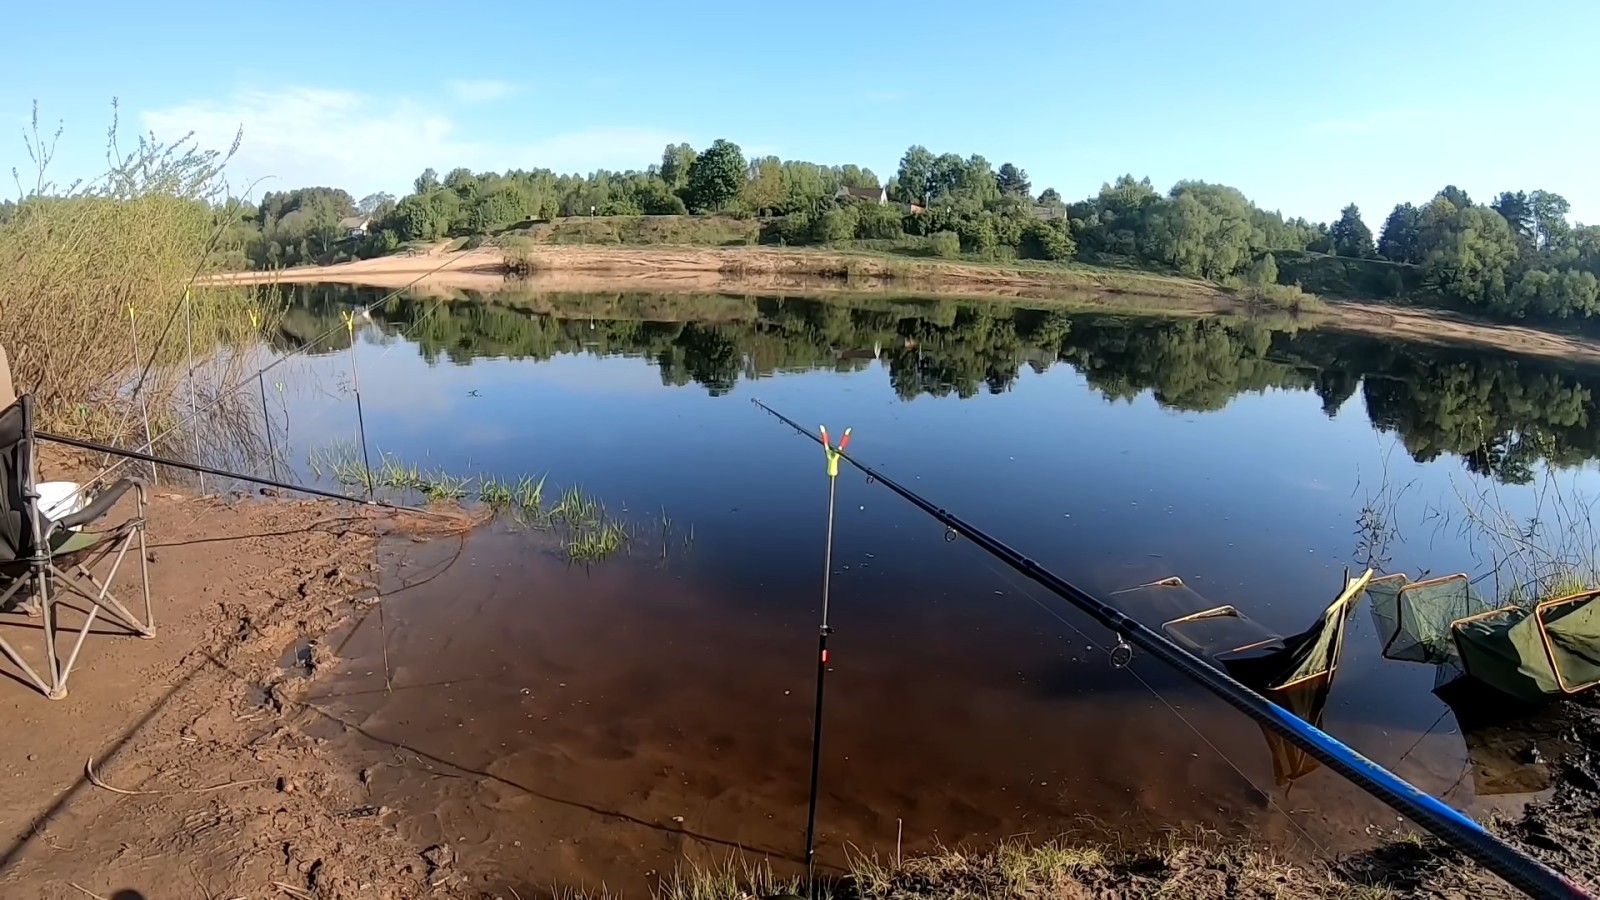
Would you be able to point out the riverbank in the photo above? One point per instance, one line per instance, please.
(778, 270)
(209, 778)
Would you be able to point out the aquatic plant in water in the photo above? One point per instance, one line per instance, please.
(586, 532)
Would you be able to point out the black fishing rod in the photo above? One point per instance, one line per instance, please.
(82, 444)
(1524, 872)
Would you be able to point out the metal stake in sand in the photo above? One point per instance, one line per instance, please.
(361, 420)
(194, 408)
(822, 660)
(144, 411)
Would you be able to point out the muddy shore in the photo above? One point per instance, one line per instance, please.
(811, 271)
(212, 778)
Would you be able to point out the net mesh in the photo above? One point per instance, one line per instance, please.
(1413, 618)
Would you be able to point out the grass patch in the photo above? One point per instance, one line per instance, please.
(1017, 870)
(586, 532)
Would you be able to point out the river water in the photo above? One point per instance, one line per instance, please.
(604, 723)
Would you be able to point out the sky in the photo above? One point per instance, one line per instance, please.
(1305, 107)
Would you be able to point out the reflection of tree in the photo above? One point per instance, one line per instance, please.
(1190, 364)
(1499, 415)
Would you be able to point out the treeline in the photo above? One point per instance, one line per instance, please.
(1499, 415)
(1517, 256)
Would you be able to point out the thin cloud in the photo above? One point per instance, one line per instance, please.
(300, 136)
(481, 90)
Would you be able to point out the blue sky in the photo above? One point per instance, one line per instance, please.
(1301, 107)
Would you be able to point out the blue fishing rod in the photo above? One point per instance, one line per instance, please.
(1520, 870)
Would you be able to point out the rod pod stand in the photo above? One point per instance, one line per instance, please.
(833, 455)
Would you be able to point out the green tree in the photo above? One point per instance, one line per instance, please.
(1118, 219)
(914, 178)
(1549, 213)
(1457, 197)
(1205, 230)
(1013, 180)
(1351, 236)
(427, 182)
(716, 177)
(1262, 272)
(1518, 213)
(676, 161)
(1050, 197)
(764, 190)
(1401, 240)
(1468, 256)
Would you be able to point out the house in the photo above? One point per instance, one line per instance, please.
(1049, 212)
(354, 226)
(871, 195)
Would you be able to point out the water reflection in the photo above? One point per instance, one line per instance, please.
(1114, 449)
(1501, 415)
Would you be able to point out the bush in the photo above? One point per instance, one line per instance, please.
(836, 225)
(945, 244)
(1262, 272)
(1046, 240)
(795, 228)
(880, 222)
(977, 236)
(519, 252)
(77, 263)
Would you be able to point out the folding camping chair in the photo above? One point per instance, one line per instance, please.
(38, 553)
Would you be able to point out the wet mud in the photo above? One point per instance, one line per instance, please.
(557, 725)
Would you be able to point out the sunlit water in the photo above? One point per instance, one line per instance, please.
(605, 722)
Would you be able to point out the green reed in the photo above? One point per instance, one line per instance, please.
(586, 532)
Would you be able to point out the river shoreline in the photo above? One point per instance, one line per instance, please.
(806, 271)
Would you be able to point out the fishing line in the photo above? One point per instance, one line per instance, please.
(1451, 826)
(1010, 580)
(228, 390)
(144, 373)
(224, 473)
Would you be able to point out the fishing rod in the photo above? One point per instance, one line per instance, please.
(1522, 871)
(82, 444)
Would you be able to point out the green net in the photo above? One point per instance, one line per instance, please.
(1531, 654)
(1413, 618)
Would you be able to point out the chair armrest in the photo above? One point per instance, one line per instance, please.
(102, 503)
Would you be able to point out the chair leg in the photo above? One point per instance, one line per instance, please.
(144, 569)
(57, 689)
(103, 598)
(11, 653)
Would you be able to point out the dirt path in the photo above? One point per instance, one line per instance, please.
(811, 271)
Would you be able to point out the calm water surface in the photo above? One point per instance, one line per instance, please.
(561, 723)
